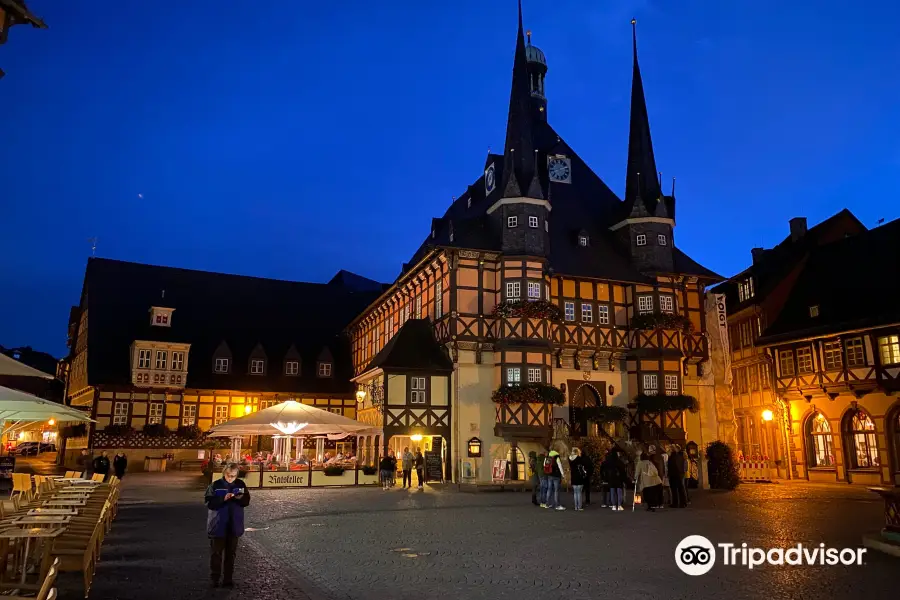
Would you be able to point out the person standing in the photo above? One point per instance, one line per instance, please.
(84, 463)
(419, 463)
(543, 482)
(648, 484)
(226, 499)
(613, 472)
(676, 478)
(554, 479)
(578, 474)
(387, 466)
(120, 463)
(406, 462)
(535, 479)
(588, 480)
(101, 465)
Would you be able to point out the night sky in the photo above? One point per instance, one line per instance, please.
(290, 139)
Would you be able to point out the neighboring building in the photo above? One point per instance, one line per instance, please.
(755, 298)
(835, 353)
(14, 12)
(156, 345)
(49, 389)
(534, 275)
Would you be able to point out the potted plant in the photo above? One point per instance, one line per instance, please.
(119, 430)
(369, 470)
(528, 393)
(662, 320)
(155, 430)
(606, 414)
(529, 309)
(646, 403)
(333, 471)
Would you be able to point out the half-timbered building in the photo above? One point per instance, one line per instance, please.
(158, 355)
(834, 351)
(539, 276)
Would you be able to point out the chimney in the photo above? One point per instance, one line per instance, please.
(757, 253)
(798, 228)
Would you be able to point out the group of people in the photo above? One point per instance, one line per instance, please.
(100, 465)
(408, 461)
(659, 478)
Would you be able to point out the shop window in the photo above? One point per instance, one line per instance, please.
(819, 442)
(859, 439)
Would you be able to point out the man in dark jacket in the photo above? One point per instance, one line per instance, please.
(676, 478)
(226, 499)
(588, 481)
(101, 464)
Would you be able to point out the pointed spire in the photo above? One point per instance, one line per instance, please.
(519, 160)
(641, 174)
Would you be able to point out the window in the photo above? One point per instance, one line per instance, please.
(603, 315)
(143, 359)
(666, 303)
(889, 348)
(740, 380)
(189, 414)
(534, 290)
(257, 366)
(155, 415)
(533, 222)
(645, 304)
(161, 356)
(754, 378)
(406, 312)
(569, 311)
(583, 241)
(546, 225)
(292, 367)
(833, 360)
(764, 368)
(120, 413)
(534, 375)
(745, 289)
(671, 385)
(855, 355)
(438, 301)
(661, 239)
(513, 376)
(819, 442)
(746, 335)
(641, 239)
(419, 307)
(587, 313)
(512, 221)
(513, 290)
(337, 411)
(221, 414)
(804, 360)
(221, 365)
(814, 311)
(860, 440)
(417, 390)
(324, 369)
(178, 361)
(786, 362)
(651, 384)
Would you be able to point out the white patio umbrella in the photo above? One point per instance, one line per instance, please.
(19, 408)
(10, 366)
(288, 418)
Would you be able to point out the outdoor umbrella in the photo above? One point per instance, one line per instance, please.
(18, 408)
(10, 366)
(289, 418)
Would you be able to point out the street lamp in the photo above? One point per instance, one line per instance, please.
(360, 396)
(767, 415)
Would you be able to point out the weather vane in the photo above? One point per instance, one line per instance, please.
(93, 242)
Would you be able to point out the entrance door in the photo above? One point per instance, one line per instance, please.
(516, 467)
(585, 397)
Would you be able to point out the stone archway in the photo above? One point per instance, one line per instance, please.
(585, 396)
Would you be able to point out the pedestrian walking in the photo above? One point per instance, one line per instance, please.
(578, 473)
(419, 463)
(387, 466)
(85, 463)
(676, 478)
(101, 465)
(648, 483)
(543, 482)
(588, 481)
(613, 472)
(226, 499)
(120, 464)
(553, 469)
(406, 463)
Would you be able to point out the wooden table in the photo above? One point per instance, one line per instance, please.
(38, 533)
(42, 520)
(35, 512)
(73, 492)
(61, 503)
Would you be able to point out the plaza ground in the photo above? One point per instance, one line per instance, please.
(361, 544)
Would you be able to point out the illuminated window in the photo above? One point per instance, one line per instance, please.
(641, 239)
(178, 361)
(819, 442)
(120, 413)
(666, 303)
(189, 415)
(513, 376)
(512, 221)
(438, 301)
(603, 315)
(889, 348)
(859, 437)
(745, 289)
(257, 366)
(417, 390)
(324, 369)
(587, 313)
(154, 417)
(569, 310)
(221, 414)
(534, 290)
(533, 222)
(161, 356)
(645, 304)
(804, 360)
(671, 382)
(814, 311)
(534, 375)
(651, 384)
(292, 367)
(143, 359)
(221, 365)
(856, 357)
(583, 241)
(833, 361)
(786, 362)
(513, 290)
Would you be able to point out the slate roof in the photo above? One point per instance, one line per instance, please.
(854, 281)
(214, 310)
(586, 204)
(414, 347)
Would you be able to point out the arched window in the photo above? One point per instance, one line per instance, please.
(859, 438)
(819, 442)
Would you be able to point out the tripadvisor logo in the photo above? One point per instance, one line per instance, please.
(696, 555)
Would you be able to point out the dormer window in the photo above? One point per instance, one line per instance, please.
(161, 316)
(533, 222)
(640, 239)
(257, 366)
(324, 369)
(745, 289)
(512, 222)
(814, 311)
(292, 367)
(583, 241)
(221, 365)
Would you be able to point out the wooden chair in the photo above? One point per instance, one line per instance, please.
(98, 477)
(46, 591)
(78, 552)
(22, 485)
(71, 474)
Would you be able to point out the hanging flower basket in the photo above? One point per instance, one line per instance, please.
(662, 320)
(537, 309)
(606, 414)
(658, 404)
(189, 432)
(528, 393)
(156, 430)
(333, 471)
(119, 430)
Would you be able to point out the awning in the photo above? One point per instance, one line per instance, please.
(289, 418)
(10, 366)
(18, 409)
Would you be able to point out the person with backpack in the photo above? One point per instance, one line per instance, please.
(579, 476)
(553, 471)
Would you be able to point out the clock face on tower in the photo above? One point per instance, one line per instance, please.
(489, 180)
(559, 168)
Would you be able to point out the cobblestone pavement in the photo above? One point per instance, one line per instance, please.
(366, 544)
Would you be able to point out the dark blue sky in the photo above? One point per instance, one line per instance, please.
(297, 138)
